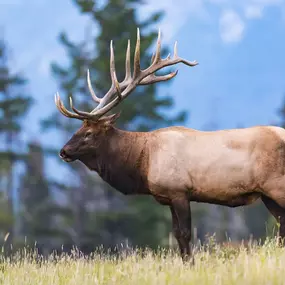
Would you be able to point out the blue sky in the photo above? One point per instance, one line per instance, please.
(239, 44)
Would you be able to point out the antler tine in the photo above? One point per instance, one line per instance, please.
(63, 110)
(60, 106)
(112, 62)
(152, 58)
(128, 62)
(175, 54)
(79, 114)
(153, 78)
(116, 86)
(137, 56)
(177, 59)
(158, 49)
(74, 115)
(94, 96)
(115, 82)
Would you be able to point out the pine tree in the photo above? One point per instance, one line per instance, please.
(100, 214)
(14, 105)
(36, 200)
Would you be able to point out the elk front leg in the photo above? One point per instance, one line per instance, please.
(181, 223)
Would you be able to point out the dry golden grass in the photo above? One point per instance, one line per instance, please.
(213, 265)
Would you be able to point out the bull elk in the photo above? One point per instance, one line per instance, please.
(177, 165)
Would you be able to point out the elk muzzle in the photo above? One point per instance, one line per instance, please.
(66, 155)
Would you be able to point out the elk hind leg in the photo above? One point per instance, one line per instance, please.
(279, 214)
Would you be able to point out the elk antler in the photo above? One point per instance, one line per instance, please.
(123, 89)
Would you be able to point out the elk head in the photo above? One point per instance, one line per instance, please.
(96, 125)
(88, 138)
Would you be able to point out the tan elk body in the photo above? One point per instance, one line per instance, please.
(177, 165)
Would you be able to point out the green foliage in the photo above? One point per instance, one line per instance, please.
(14, 105)
(6, 218)
(35, 199)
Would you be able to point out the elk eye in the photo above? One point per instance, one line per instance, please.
(87, 134)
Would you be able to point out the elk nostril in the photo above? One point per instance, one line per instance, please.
(62, 153)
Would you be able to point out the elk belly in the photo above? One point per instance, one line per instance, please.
(224, 179)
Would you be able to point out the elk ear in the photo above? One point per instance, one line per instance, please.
(110, 120)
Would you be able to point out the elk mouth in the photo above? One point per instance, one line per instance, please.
(65, 157)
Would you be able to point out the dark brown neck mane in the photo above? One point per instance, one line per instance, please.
(122, 161)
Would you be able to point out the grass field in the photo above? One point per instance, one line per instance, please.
(214, 264)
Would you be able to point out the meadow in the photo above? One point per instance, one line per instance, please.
(214, 264)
